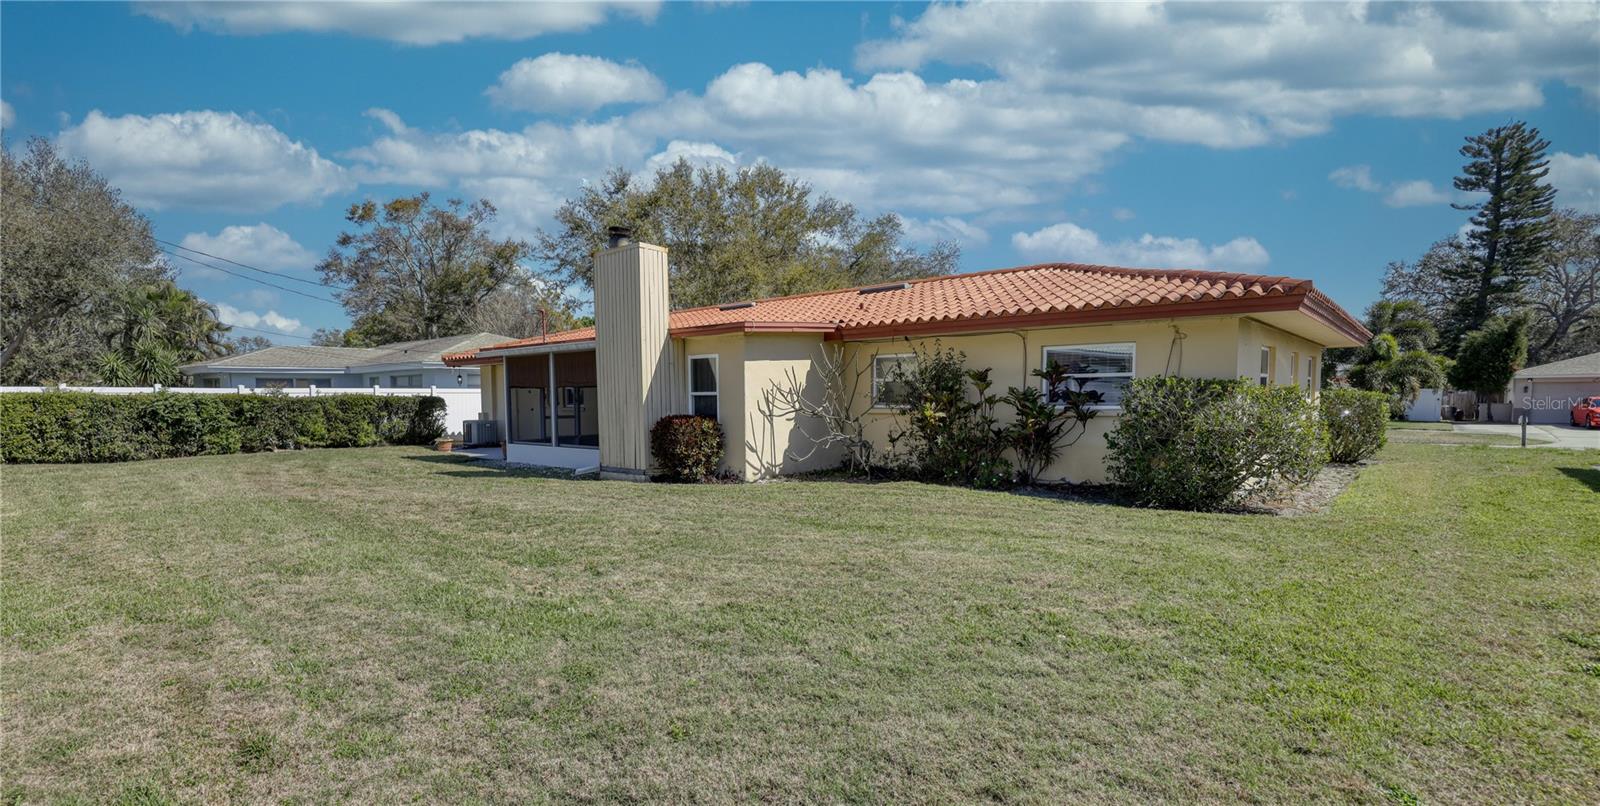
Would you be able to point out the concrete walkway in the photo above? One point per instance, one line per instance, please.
(1539, 436)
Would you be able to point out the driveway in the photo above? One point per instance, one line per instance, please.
(1539, 436)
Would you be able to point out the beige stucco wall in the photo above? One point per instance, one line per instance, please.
(1208, 349)
(760, 445)
(492, 393)
(1254, 335)
(1211, 347)
(775, 445)
(731, 406)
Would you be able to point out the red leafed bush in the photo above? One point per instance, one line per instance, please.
(686, 447)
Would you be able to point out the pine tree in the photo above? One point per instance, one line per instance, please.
(1511, 228)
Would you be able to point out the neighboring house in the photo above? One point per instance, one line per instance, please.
(1548, 392)
(402, 365)
(586, 398)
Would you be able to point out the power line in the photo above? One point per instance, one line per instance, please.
(247, 277)
(74, 214)
(270, 332)
(240, 265)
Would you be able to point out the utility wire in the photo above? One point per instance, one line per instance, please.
(74, 214)
(215, 267)
(270, 332)
(240, 265)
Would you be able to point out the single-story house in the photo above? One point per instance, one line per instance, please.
(588, 397)
(401, 365)
(1548, 392)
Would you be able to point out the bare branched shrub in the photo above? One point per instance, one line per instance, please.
(827, 412)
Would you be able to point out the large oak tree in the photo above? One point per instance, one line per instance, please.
(415, 270)
(736, 234)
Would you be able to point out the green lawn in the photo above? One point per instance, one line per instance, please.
(1406, 425)
(387, 624)
(1405, 433)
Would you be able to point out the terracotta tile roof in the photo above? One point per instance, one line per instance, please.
(1055, 291)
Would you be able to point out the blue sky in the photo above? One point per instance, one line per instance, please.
(1310, 141)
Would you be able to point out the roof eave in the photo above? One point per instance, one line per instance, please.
(723, 328)
(1131, 313)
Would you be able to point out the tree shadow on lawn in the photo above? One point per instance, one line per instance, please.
(472, 467)
(440, 458)
(1587, 475)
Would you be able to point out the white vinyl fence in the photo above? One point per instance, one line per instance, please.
(460, 404)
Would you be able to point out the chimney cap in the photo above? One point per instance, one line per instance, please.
(618, 236)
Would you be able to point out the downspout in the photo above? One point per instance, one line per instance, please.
(1176, 345)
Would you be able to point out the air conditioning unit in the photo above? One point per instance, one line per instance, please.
(480, 432)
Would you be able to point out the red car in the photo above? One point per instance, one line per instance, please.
(1587, 413)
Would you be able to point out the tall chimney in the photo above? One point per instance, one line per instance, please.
(633, 355)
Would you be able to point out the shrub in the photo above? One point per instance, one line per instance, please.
(950, 437)
(1037, 432)
(1192, 443)
(424, 418)
(686, 447)
(1356, 422)
(87, 427)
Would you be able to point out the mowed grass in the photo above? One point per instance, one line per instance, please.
(1407, 433)
(389, 624)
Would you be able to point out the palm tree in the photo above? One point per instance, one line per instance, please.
(1407, 320)
(1383, 366)
(159, 327)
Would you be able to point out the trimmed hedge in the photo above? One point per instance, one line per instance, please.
(686, 447)
(1202, 444)
(73, 427)
(1357, 422)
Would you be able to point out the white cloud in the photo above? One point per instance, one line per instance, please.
(894, 141)
(525, 173)
(1355, 177)
(213, 160)
(1416, 193)
(1068, 87)
(1255, 70)
(700, 155)
(560, 82)
(948, 228)
(1408, 193)
(260, 245)
(271, 320)
(1122, 214)
(1577, 180)
(1069, 242)
(423, 23)
(8, 115)
(542, 151)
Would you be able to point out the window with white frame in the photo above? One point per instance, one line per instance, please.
(1103, 368)
(703, 385)
(406, 381)
(1264, 377)
(888, 384)
(1311, 372)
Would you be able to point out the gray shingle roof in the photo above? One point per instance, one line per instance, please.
(1581, 365)
(404, 352)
